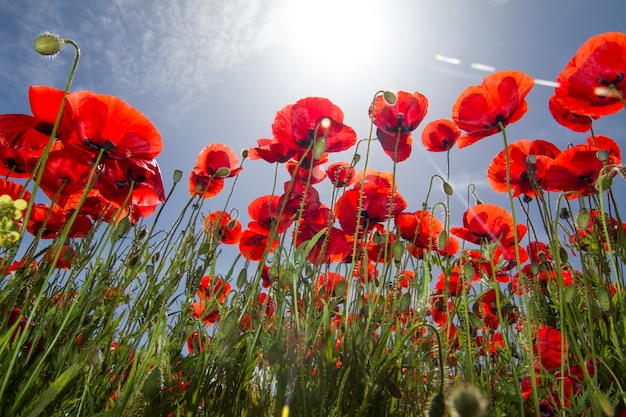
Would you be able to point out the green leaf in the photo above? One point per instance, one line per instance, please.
(41, 402)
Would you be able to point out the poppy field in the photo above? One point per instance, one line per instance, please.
(340, 299)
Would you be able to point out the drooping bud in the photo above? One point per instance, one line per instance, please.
(48, 44)
(390, 97)
(447, 188)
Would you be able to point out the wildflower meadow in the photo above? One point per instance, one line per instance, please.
(328, 294)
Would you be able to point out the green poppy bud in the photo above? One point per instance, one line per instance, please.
(602, 155)
(319, 148)
(48, 44)
(390, 97)
(222, 172)
(178, 174)
(583, 218)
(466, 400)
(244, 153)
(447, 188)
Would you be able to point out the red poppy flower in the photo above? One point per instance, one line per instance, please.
(452, 284)
(220, 225)
(299, 125)
(253, 245)
(22, 140)
(23, 137)
(549, 347)
(127, 184)
(270, 150)
(380, 245)
(52, 220)
(267, 214)
(327, 284)
(66, 257)
(341, 174)
(211, 291)
(98, 122)
(404, 115)
(14, 190)
(63, 173)
(499, 99)
(215, 162)
(307, 170)
(299, 198)
(577, 168)
(378, 202)
(585, 83)
(529, 162)
(573, 121)
(332, 246)
(420, 228)
(439, 308)
(440, 135)
(397, 146)
(488, 223)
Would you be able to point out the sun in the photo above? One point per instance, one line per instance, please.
(337, 36)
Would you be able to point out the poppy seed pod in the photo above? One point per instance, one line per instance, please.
(48, 44)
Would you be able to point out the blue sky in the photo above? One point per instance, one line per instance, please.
(209, 71)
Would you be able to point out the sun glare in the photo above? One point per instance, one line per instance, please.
(337, 36)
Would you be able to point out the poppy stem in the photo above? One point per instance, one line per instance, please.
(517, 259)
(617, 94)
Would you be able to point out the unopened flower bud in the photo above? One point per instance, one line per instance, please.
(466, 400)
(602, 155)
(178, 174)
(244, 153)
(447, 188)
(583, 218)
(48, 44)
(319, 148)
(222, 172)
(390, 97)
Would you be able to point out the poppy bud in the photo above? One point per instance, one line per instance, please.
(447, 188)
(48, 44)
(602, 155)
(356, 158)
(319, 148)
(244, 153)
(442, 240)
(466, 400)
(437, 406)
(583, 218)
(604, 182)
(397, 249)
(222, 172)
(390, 97)
(178, 174)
